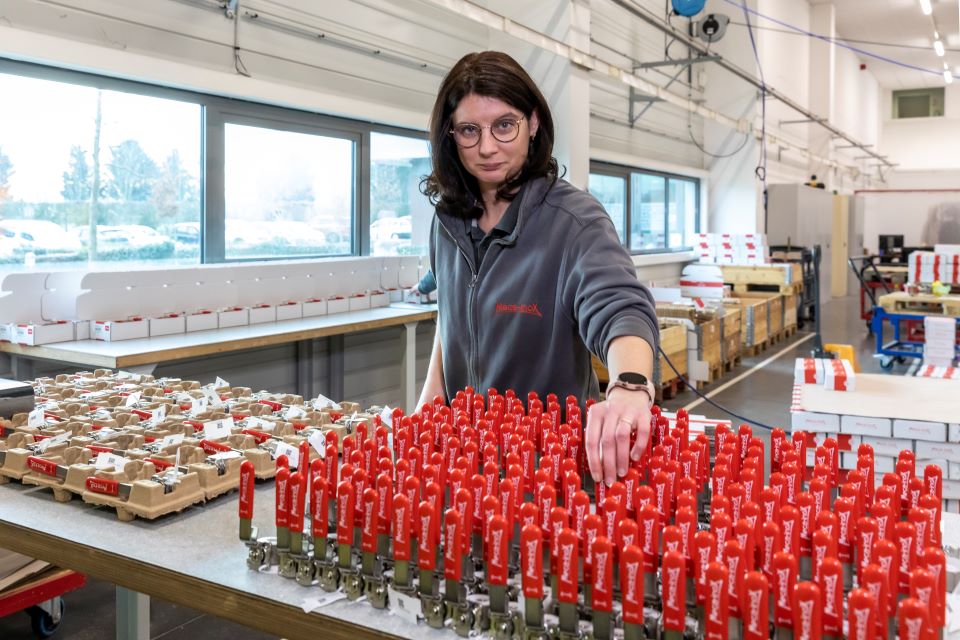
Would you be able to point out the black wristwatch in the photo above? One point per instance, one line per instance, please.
(633, 381)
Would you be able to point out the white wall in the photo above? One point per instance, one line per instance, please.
(923, 143)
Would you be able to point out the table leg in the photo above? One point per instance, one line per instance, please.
(305, 358)
(22, 368)
(408, 372)
(133, 615)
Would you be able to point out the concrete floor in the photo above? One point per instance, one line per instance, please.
(762, 396)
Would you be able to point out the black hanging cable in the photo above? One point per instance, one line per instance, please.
(761, 169)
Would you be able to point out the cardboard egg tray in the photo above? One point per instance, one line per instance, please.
(180, 443)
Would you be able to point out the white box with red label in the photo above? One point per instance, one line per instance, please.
(927, 266)
(114, 330)
(201, 321)
(8, 331)
(808, 371)
(168, 325)
(314, 307)
(36, 333)
(881, 464)
(358, 302)
(262, 313)
(948, 450)
(289, 310)
(379, 299)
(838, 375)
(920, 430)
(953, 432)
(337, 304)
(866, 426)
(888, 446)
(233, 317)
(816, 422)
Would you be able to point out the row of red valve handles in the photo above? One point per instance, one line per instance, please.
(490, 472)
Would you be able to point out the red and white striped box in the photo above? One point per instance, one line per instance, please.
(838, 375)
(808, 371)
(927, 266)
(113, 330)
(943, 373)
(703, 240)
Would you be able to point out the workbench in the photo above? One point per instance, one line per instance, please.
(145, 354)
(193, 558)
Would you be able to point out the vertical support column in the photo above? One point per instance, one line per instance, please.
(305, 382)
(408, 366)
(564, 84)
(133, 615)
(823, 64)
(335, 367)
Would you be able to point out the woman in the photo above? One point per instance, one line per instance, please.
(531, 275)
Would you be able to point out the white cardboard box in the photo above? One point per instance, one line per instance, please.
(923, 463)
(113, 330)
(954, 432)
(808, 371)
(866, 426)
(262, 313)
(379, 299)
(919, 430)
(816, 422)
(951, 489)
(337, 304)
(881, 464)
(289, 311)
(81, 330)
(953, 472)
(35, 333)
(888, 446)
(838, 375)
(395, 295)
(201, 321)
(233, 317)
(933, 450)
(358, 302)
(314, 307)
(169, 325)
(8, 332)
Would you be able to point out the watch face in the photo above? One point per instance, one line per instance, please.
(631, 377)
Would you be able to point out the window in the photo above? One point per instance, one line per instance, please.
(918, 103)
(286, 194)
(399, 214)
(652, 211)
(95, 177)
(611, 191)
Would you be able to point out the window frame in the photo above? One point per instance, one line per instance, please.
(217, 111)
(626, 172)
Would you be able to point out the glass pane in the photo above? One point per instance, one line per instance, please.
(400, 215)
(75, 158)
(286, 194)
(682, 216)
(647, 215)
(611, 191)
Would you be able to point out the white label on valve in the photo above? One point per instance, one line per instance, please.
(198, 405)
(386, 416)
(43, 445)
(157, 415)
(293, 412)
(132, 399)
(220, 383)
(404, 606)
(226, 455)
(213, 398)
(35, 418)
(126, 375)
(171, 440)
(292, 453)
(218, 429)
(253, 422)
(316, 602)
(107, 460)
(322, 402)
(318, 442)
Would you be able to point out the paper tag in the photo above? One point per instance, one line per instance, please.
(43, 445)
(220, 383)
(292, 453)
(226, 455)
(316, 602)
(107, 460)
(293, 413)
(217, 429)
(253, 422)
(213, 398)
(199, 405)
(386, 416)
(171, 440)
(35, 418)
(132, 399)
(102, 434)
(318, 442)
(404, 606)
(322, 402)
(126, 375)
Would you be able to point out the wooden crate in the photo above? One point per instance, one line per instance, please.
(732, 320)
(774, 310)
(730, 334)
(706, 329)
(673, 341)
(754, 314)
(731, 347)
(791, 303)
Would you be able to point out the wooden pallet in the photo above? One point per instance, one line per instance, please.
(921, 304)
(756, 349)
(785, 289)
(789, 332)
(732, 363)
(668, 390)
(714, 374)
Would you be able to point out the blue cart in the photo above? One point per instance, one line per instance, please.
(902, 346)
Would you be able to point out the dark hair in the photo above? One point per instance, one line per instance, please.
(490, 74)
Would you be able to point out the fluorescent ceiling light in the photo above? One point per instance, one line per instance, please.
(938, 47)
(947, 76)
(926, 7)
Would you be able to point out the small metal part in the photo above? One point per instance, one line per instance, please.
(352, 583)
(434, 610)
(463, 618)
(376, 591)
(288, 564)
(306, 570)
(328, 576)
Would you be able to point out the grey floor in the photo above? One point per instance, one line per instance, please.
(763, 396)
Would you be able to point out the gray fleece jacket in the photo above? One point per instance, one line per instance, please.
(560, 287)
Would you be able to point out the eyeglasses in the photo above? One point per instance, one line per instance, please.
(467, 134)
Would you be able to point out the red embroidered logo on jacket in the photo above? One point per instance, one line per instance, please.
(526, 309)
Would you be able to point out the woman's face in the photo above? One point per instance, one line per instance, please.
(491, 161)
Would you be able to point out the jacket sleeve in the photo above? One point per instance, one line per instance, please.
(601, 289)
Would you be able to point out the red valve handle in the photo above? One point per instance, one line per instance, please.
(783, 580)
(923, 587)
(568, 554)
(753, 604)
(297, 488)
(320, 501)
(913, 620)
(717, 608)
(674, 591)
(531, 561)
(498, 544)
(370, 521)
(733, 558)
(631, 584)
(281, 481)
(345, 512)
(42, 465)
(807, 622)
(211, 448)
(401, 527)
(103, 485)
(934, 560)
(831, 586)
(771, 542)
(426, 543)
(704, 552)
(452, 544)
(601, 559)
(650, 536)
(905, 534)
(874, 580)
